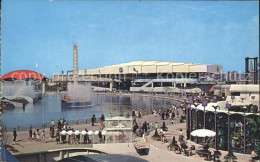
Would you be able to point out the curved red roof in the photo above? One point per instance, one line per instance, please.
(23, 74)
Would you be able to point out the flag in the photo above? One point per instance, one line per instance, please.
(211, 89)
(135, 70)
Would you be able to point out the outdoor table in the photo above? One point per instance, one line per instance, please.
(207, 154)
(199, 152)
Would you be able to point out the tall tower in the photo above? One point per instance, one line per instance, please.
(75, 63)
(0, 45)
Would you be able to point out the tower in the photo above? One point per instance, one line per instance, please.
(75, 63)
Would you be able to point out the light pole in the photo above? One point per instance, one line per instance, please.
(196, 119)
(242, 98)
(215, 107)
(230, 154)
(244, 109)
(204, 104)
(190, 101)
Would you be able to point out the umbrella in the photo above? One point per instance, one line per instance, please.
(96, 132)
(83, 132)
(76, 132)
(63, 132)
(90, 132)
(70, 132)
(203, 133)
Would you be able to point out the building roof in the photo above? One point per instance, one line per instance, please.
(153, 67)
(23, 74)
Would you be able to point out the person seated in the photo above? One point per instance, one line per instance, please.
(188, 151)
(254, 155)
(206, 147)
(184, 145)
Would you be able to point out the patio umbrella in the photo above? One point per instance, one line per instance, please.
(203, 133)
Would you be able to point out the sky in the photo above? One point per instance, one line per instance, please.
(39, 35)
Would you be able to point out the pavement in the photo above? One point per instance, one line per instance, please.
(158, 150)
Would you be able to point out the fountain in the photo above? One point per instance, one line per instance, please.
(78, 95)
(22, 91)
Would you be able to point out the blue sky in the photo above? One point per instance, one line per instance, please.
(113, 32)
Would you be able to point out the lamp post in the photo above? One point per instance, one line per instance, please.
(215, 107)
(242, 98)
(230, 154)
(190, 101)
(244, 109)
(204, 104)
(186, 111)
(196, 119)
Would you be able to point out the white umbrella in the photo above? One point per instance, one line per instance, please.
(76, 132)
(70, 132)
(203, 133)
(90, 132)
(83, 132)
(103, 132)
(96, 132)
(63, 132)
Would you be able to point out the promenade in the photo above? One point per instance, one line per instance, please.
(158, 150)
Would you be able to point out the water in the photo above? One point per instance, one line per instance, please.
(18, 89)
(82, 90)
(50, 108)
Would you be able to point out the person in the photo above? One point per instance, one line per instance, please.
(30, 133)
(57, 138)
(188, 152)
(52, 123)
(86, 139)
(144, 127)
(38, 135)
(100, 136)
(254, 155)
(102, 119)
(77, 139)
(15, 135)
(33, 134)
(43, 136)
(184, 145)
(180, 136)
(206, 147)
(50, 135)
(93, 120)
(156, 125)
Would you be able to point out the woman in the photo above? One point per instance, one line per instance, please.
(43, 136)
(33, 134)
(38, 135)
(180, 136)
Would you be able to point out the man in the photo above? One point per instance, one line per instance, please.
(15, 135)
(254, 155)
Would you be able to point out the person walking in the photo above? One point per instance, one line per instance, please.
(15, 135)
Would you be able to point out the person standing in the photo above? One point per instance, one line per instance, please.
(15, 135)
(43, 136)
(30, 133)
(180, 136)
(93, 120)
(86, 139)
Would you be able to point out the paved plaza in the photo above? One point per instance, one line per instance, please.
(158, 150)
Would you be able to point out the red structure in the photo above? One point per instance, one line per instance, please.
(23, 75)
